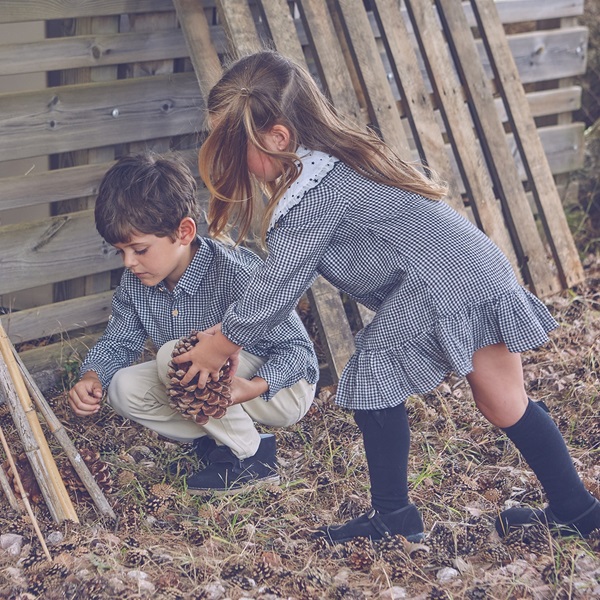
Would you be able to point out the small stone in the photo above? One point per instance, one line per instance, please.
(446, 574)
(394, 593)
(55, 537)
(139, 575)
(341, 576)
(12, 543)
(214, 591)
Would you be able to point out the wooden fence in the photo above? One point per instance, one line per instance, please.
(439, 80)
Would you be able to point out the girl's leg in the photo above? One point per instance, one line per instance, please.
(499, 393)
(387, 438)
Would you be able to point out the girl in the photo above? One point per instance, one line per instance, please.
(343, 205)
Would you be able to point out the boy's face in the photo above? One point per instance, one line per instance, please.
(153, 259)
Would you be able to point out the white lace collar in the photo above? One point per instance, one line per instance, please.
(315, 165)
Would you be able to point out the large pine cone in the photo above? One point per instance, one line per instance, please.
(98, 468)
(198, 404)
(30, 484)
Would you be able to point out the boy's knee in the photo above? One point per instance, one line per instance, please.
(163, 357)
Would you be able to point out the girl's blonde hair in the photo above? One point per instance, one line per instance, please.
(265, 89)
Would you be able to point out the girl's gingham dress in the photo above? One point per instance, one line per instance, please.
(440, 287)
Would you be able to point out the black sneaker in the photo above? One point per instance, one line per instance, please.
(200, 449)
(519, 517)
(226, 473)
(406, 522)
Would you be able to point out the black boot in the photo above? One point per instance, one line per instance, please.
(226, 473)
(582, 525)
(572, 509)
(406, 522)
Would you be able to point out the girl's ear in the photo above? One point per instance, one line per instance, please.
(280, 136)
(186, 233)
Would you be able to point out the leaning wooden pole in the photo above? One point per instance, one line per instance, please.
(63, 439)
(8, 492)
(23, 493)
(34, 442)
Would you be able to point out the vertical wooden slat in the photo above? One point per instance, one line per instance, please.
(417, 103)
(457, 121)
(528, 142)
(282, 29)
(238, 23)
(376, 87)
(503, 168)
(329, 58)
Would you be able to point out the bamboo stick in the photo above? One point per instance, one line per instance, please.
(8, 492)
(34, 522)
(46, 471)
(62, 437)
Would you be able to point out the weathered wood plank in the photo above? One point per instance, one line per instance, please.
(280, 25)
(197, 38)
(52, 250)
(455, 113)
(329, 58)
(532, 153)
(239, 26)
(91, 51)
(503, 169)
(37, 10)
(100, 114)
(375, 85)
(57, 318)
(40, 10)
(65, 184)
(333, 325)
(415, 98)
(546, 54)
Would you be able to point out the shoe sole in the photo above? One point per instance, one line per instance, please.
(273, 480)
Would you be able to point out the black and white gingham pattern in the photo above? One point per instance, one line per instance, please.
(216, 277)
(440, 287)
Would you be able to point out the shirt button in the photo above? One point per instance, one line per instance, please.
(175, 312)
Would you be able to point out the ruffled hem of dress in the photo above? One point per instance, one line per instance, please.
(315, 165)
(378, 379)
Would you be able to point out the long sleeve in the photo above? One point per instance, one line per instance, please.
(296, 246)
(122, 342)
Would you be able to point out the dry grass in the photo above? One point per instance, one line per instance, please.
(167, 544)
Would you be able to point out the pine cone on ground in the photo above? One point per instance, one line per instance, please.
(198, 404)
(30, 484)
(98, 468)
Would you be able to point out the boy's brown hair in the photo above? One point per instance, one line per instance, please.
(147, 194)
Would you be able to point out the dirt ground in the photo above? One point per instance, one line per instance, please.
(167, 544)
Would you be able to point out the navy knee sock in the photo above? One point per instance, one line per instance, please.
(386, 436)
(540, 442)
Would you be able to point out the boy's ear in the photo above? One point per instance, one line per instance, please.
(186, 232)
(281, 137)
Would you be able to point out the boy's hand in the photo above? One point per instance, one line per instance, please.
(207, 356)
(243, 390)
(85, 396)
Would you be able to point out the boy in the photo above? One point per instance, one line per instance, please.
(174, 282)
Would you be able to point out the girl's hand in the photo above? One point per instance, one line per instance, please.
(85, 396)
(207, 356)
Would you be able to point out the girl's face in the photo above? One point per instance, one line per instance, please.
(261, 165)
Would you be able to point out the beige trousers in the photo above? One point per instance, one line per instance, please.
(139, 393)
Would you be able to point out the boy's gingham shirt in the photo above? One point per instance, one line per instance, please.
(216, 277)
(440, 288)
